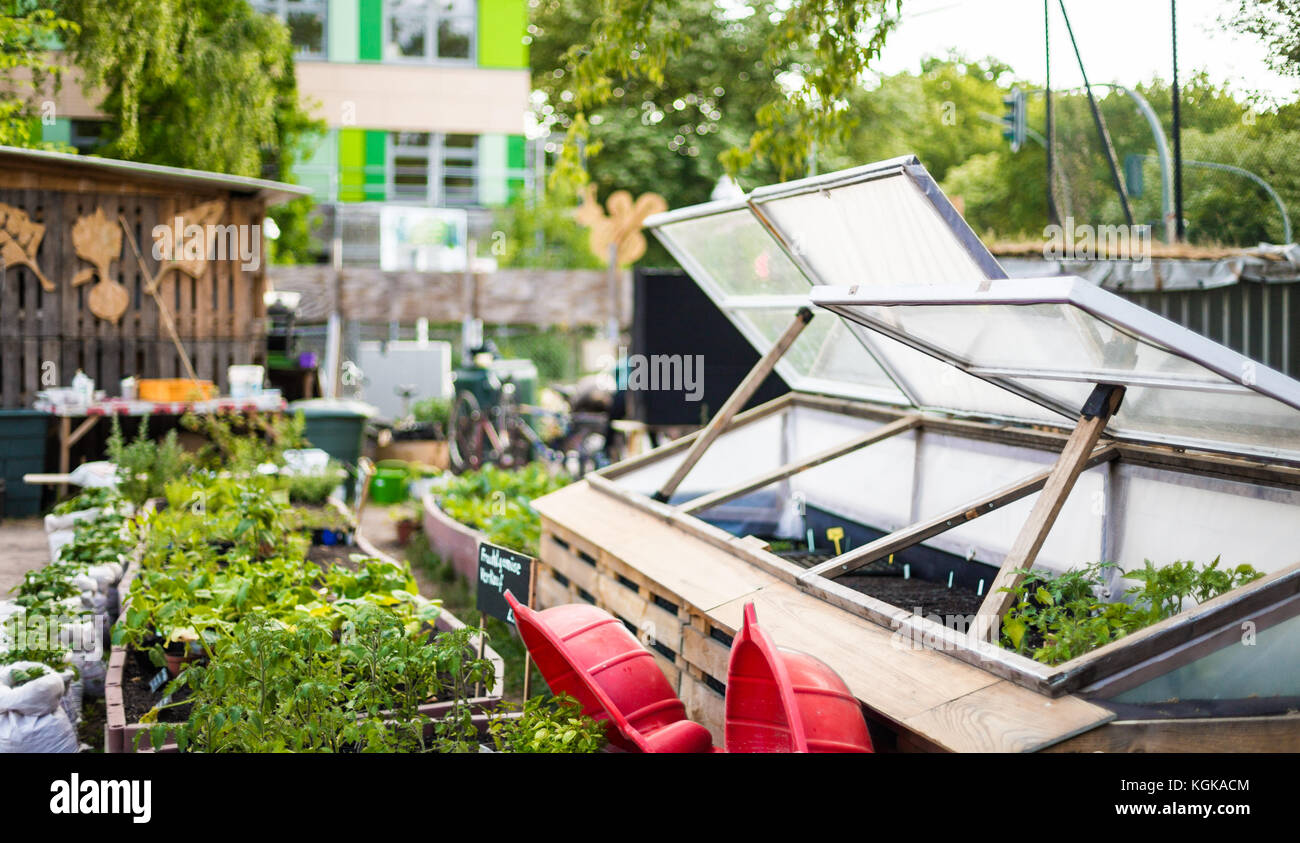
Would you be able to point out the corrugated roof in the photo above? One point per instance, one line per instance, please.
(273, 192)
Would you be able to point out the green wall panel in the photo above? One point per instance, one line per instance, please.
(352, 164)
(343, 22)
(318, 169)
(502, 25)
(60, 131)
(370, 30)
(376, 164)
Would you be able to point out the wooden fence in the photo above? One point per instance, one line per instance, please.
(504, 297)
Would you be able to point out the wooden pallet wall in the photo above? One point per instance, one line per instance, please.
(46, 336)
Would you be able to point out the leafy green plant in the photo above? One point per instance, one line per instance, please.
(554, 724)
(315, 488)
(22, 676)
(432, 411)
(273, 686)
(144, 466)
(88, 499)
(1056, 618)
(239, 443)
(499, 502)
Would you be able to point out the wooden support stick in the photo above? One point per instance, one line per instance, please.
(152, 287)
(532, 592)
(790, 469)
(482, 648)
(735, 402)
(900, 540)
(1101, 405)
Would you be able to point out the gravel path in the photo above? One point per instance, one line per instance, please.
(22, 548)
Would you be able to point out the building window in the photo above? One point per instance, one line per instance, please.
(86, 135)
(306, 22)
(429, 30)
(431, 168)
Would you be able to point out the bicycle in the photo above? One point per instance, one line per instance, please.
(498, 435)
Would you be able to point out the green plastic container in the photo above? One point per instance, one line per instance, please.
(336, 426)
(389, 485)
(22, 451)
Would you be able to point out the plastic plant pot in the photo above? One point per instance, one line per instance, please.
(389, 485)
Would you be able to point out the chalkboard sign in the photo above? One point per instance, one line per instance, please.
(499, 571)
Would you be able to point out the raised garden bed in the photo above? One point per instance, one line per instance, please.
(121, 729)
(455, 543)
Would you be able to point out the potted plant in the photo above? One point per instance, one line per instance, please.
(421, 437)
(406, 516)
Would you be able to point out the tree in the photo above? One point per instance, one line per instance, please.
(797, 63)
(26, 33)
(207, 84)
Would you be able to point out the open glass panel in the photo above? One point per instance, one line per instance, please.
(1052, 339)
(877, 224)
(743, 270)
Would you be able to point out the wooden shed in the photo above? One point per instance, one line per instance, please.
(74, 295)
(948, 427)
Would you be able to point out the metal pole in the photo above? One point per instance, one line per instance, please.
(1052, 215)
(1180, 228)
(612, 328)
(1100, 123)
(1162, 155)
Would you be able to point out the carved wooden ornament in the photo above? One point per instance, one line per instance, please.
(98, 241)
(20, 238)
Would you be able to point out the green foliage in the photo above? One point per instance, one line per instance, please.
(544, 234)
(499, 502)
(26, 37)
(554, 724)
(785, 69)
(207, 84)
(434, 411)
(91, 498)
(239, 443)
(315, 488)
(22, 676)
(273, 686)
(144, 466)
(1057, 618)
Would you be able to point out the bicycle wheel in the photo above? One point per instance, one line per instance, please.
(465, 437)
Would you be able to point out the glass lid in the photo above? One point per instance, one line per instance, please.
(883, 223)
(1051, 339)
(753, 282)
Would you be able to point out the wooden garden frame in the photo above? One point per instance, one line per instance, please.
(1158, 648)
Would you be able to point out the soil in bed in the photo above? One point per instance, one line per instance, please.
(885, 581)
(137, 699)
(329, 555)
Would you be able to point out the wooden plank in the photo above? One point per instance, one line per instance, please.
(900, 540)
(1103, 402)
(1275, 733)
(1007, 717)
(704, 705)
(694, 572)
(705, 652)
(735, 402)
(897, 681)
(790, 469)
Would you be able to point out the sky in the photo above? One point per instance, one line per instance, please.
(1123, 41)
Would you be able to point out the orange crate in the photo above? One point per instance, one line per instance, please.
(175, 389)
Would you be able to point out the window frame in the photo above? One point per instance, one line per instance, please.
(432, 17)
(281, 8)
